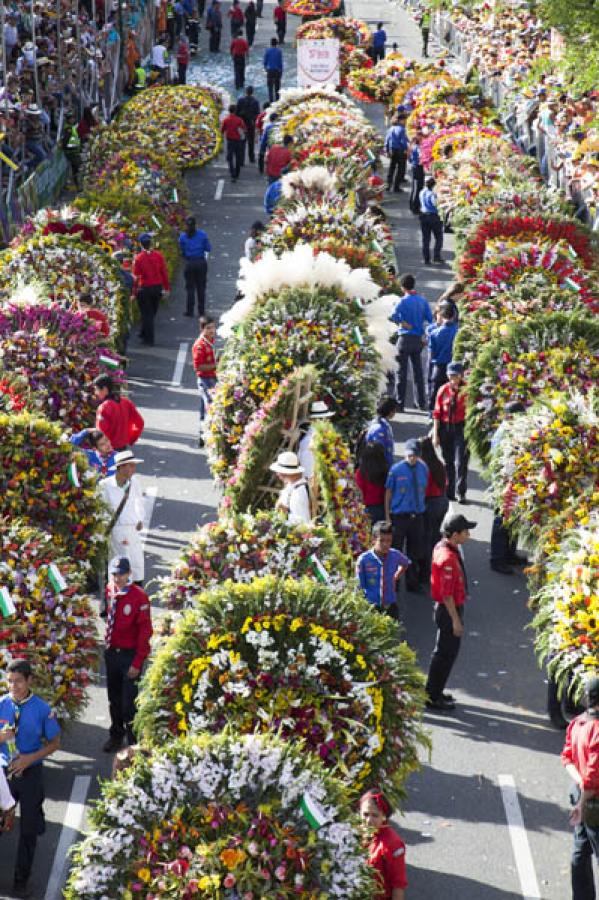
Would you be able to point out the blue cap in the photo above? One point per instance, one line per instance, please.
(145, 238)
(455, 368)
(413, 446)
(119, 565)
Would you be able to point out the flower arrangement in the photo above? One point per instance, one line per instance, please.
(47, 484)
(55, 354)
(242, 547)
(316, 8)
(53, 625)
(222, 817)
(442, 117)
(349, 157)
(299, 659)
(343, 509)
(444, 141)
(347, 31)
(96, 227)
(539, 355)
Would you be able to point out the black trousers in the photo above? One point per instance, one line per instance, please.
(195, 274)
(397, 167)
(417, 185)
(273, 83)
(425, 37)
(409, 537)
(455, 456)
(431, 224)
(239, 71)
(214, 42)
(250, 31)
(148, 300)
(503, 547)
(447, 647)
(250, 139)
(410, 351)
(182, 73)
(438, 377)
(122, 692)
(377, 53)
(235, 157)
(28, 791)
(281, 29)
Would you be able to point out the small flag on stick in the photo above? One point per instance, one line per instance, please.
(56, 579)
(7, 607)
(319, 570)
(358, 335)
(73, 475)
(313, 811)
(109, 362)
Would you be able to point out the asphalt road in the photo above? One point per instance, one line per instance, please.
(454, 822)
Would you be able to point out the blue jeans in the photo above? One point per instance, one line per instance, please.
(586, 844)
(205, 387)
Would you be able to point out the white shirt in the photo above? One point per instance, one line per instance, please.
(7, 800)
(294, 497)
(159, 54)
(133, 511)
(249, 248)
(305, 454)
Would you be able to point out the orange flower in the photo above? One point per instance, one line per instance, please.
(232, 858)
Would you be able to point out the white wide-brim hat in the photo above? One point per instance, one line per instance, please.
(319, 410)
(287, 463)
(125, 456)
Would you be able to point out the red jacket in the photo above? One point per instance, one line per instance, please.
(447, 574)
(129, 623)
(183, 54)
(277, 158)
(233, 128)
(372, 494)
(203, 355)
(149, 270)
(387, 854)
(582, 750)
(450, 405)
(120, 421)
(239, 47)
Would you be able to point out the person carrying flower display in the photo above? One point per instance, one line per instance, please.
(117, 417)
(379, 569)
(195, 247)
(449, 416)
(151, 283)
(128, 633)
(271, 196)
(430, 223)
(204, 364)
(396, 148)
(29, 733)
(100, 455)
(386, 850)
(405, 491)
(122, 493)
(273, 66)
(294, 498)
(409, 315)
(233, 128)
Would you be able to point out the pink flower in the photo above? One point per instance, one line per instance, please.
(229, 880)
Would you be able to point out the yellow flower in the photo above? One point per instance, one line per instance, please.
(144, 875)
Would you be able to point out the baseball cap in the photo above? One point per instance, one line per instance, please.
(119, 565)
(413, 446)
(455, 368)
(452, 523)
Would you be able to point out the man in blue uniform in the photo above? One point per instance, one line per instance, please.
(29, 733)
(410, 315)
(396, 148)
(440, 341)
(379, 570)
(430, 223)
(379, 430)
(405, 491)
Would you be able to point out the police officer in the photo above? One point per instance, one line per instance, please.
(29, 733)
(448, 590)
(128, 633)
(405, 503)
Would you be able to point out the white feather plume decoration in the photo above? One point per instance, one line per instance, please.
(381, 329)
(309, 178)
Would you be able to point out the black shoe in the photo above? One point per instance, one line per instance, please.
(441, 704)
(188, 313)
(449, 698)
(462, 500)
(427, 262)
(22, 889)
(201, 442)
(451, 497)
(502, 568)
(518, 559)
(437, 260)
(113, 744)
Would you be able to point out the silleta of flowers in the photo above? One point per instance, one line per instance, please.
(241, 547)
(312, 663)
(222, 817)
(53, 626)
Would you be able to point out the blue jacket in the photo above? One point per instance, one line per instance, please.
(400, 481)
(264, 139)
(271, 196)
(441, 340)
(273, 59)
(414, 157)
(380, 432)
(428, 202)
(411, 313)
(195, 247)
(379, 38)
(376, 575)
(396, 139)
(104, 466)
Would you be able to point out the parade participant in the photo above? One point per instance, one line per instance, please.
(150, 285)
(128, 633)
(140, 79)
(100, 455)
(29, 733)
(436, 500)
(248, 109)
(271, 196)
(278, 158)
(379, 39)
(122, 494)
(430, 223)
(410, 314)
(425, 29)
(71, 147)
(449, 416)
(417, 174)
(182, 59)
(580, 757)
(440, 342)
(396, 148)
(239, 52)
(405, 491)
(214, 24)
(193, 30)
(204, 364)
(280, 19)
(379, 569)
(294, 499)
(379, 430)
(250, 22)
(371, 476)
(116, 417)
(195, 247)
(386, 850)
(305, 455)
(233, 128)
(273, 66)
(264, 131)
(236, 19)
(251, 245)
(160, 60)
(448, 590)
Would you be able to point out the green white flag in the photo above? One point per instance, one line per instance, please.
(319, 570)
(571, 285)
(56, 579)
(7, 607)
(109, 362)
(358, 335)
(73, 475)
(313, 811)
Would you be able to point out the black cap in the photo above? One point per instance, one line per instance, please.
(120, 565)
(591, 689)
(455, 368)
(452, 524)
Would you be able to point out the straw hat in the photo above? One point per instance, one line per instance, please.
(287, 463)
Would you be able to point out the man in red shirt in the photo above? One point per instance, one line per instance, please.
(233, 128)
(128, 633)
(150, 281)
(239, 51)
(117, 417)
(449, 415)
(448, 590)
(580, 756)
(204, 364)
(280, 19)
(278, 158)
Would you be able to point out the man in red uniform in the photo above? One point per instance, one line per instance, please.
(239, 51)
(580, 756)
(278, 158)
(449, 415)
(233, 128)
(117, 417)
(128, 633)
(448, 590)
(280, 19)
(150, 281)
(204, 364)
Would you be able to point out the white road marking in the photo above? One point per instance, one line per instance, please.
(220, 186)
(519, 838)
(68, 834)
(149, 501)
(180, 364)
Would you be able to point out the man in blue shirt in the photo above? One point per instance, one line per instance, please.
(263, 147)
(28, 733)
(440, 342)
(101, 454)
(405, 492)
(430, 223)
(195, 247)
(410, 314)
(396, 148)
(379, 39)
(379, 431)
(273, 66)
(379, 570)
(271, 196)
